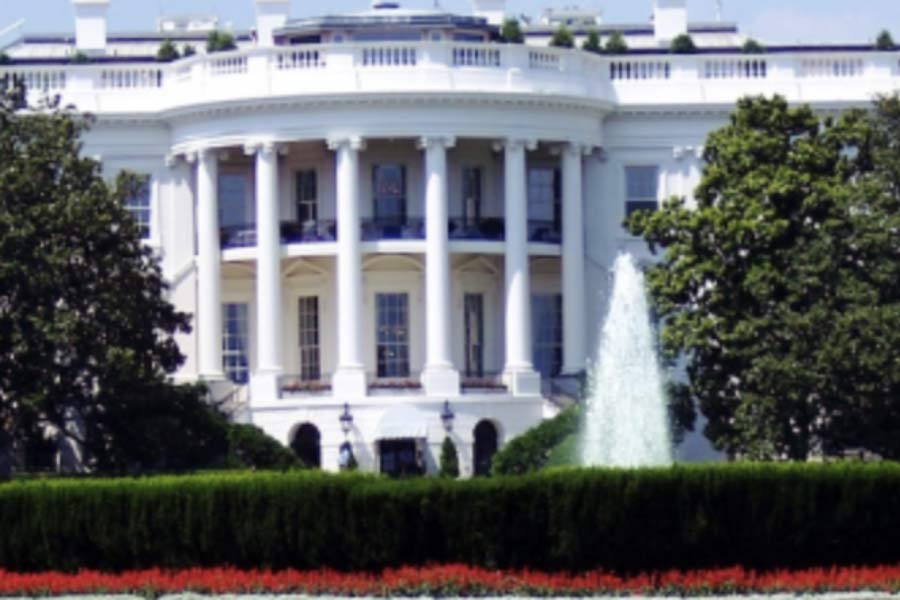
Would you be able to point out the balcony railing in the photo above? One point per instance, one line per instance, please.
(297, 385)
(481, 228)
(406, 229)
(322, 230)
(547, 232)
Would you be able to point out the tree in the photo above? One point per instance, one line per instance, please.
(616, 44)
(189, 50)
(511, 32)
(751, 46)
(80, 58)
(562, 38)
(885, 41)
(4, 58)
(449, 459)
(167, 52)
(592, 42)
(781, 289)
(220, 41)
(88, 337)
(683, 44)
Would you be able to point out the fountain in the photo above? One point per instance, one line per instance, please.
(626, 420)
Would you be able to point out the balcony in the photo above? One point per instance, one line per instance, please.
(405, 229)
(481, 228)
(292, 232)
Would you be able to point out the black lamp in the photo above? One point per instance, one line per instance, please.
(447, 417)
(346, 419)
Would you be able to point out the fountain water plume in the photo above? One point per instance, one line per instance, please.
(626, 419)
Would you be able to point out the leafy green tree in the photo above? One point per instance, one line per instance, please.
(616, 44)
(592, 42)
(511, 32)
(683, 44)
(751, 46)
(249, 446)
(167, 52)
(562, 38)
(188, 50)
(782, 287)
(449, 467)
(80, 58)
(4, 58)
(220, 41)
(885, 41)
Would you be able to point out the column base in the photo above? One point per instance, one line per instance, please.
(440, 381)
(522, 381)
(349, 382)
(264, 386)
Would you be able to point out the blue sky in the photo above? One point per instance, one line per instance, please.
(768, 20)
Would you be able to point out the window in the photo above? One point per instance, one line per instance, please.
(546, 327)
(471, 189)
(544, 195)
(234, 343)
(641, 188)
(473, 307)
(389, 191)
(392, 334)
(138, 206)
(310, 369)
(307, 197)
(233, 205)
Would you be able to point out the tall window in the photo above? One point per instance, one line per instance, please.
(233, 205)
(474, 334)
(392, 334)
(307, 196)
(546, 326)
(389, 190)
(310, 369)
(234, 342)
(641, 188)
(138, 205)
(544, 195)
(471, 189)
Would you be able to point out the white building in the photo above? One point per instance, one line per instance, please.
(391, 216)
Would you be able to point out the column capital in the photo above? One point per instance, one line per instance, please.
(353, 142)
(577, 149)
(266, 147)
(515, 143)
(443, 141)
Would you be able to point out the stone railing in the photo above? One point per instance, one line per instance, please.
(435, 67)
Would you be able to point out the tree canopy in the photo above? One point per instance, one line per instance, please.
(781, 288)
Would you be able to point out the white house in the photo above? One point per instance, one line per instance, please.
(389, 224)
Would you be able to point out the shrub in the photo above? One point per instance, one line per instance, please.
(449, 459)
(885, 41)
(249, 446)
(80, 58)
(592, 42)
(751, 46)
(167, 52)
(757, 516)
(188, 50)
(616, 44)
(220, 41)
(530, 451)
(4, 58)
(683, 44)
(511, 32)
(562, 38)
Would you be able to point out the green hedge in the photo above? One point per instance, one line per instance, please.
(534, 449)
(754, 515)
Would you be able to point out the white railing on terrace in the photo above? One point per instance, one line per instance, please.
(462, 67)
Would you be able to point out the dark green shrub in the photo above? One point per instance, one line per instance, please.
(80, 58)
(511, 32)
(885, 41)
(592, 42)
(449, 459)
(220, 41)
(249, 446)
(4, 58)
(189, 50)
(562, 38)
(616, 44)
(167, 52)
(683, 44)
(751, 46)
(530, 451)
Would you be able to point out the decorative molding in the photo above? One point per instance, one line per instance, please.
(529, 144)
(445, 141)
(354, 142)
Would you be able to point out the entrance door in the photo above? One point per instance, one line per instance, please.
(400, 458)
(485, 447)
(474, 334)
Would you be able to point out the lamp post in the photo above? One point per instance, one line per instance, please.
(447, 417)
(346, 420)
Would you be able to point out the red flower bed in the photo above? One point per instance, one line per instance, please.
(451, 580)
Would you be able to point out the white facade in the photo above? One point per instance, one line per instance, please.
(387, 228)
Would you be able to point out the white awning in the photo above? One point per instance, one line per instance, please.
(402, 422)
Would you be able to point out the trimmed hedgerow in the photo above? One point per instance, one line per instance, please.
(532, 450)
(758, 516)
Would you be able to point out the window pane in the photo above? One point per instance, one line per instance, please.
(392, 335)
(389, 189)
(307, 196)
(233, 208)
(542, 198)
(234, 342)
(641, 183)
(310, 368)
(546, 320)
(138, 205)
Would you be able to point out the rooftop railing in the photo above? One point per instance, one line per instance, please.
(806, 75)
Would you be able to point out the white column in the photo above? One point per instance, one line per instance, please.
(439, 378)
(269, 364)
(573, 261)
(209, 301)
(350, 377)
(519, 373)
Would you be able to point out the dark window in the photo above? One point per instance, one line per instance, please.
(308, 313)
(233, 206)
(544, 195)
(485, 447)
(474, 334)
(307, 197)
(307, 445)
(138, 206)
(546, 323)
(389, 191)
(471, 189)
(234, 342)
(392, 335)
(641, 188)
(401, 458)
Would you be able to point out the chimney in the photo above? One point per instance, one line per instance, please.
(90, 25)
(669, 19)
(270, 15)
(492, 10)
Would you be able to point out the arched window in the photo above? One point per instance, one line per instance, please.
(485, 447)
(307, 445)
